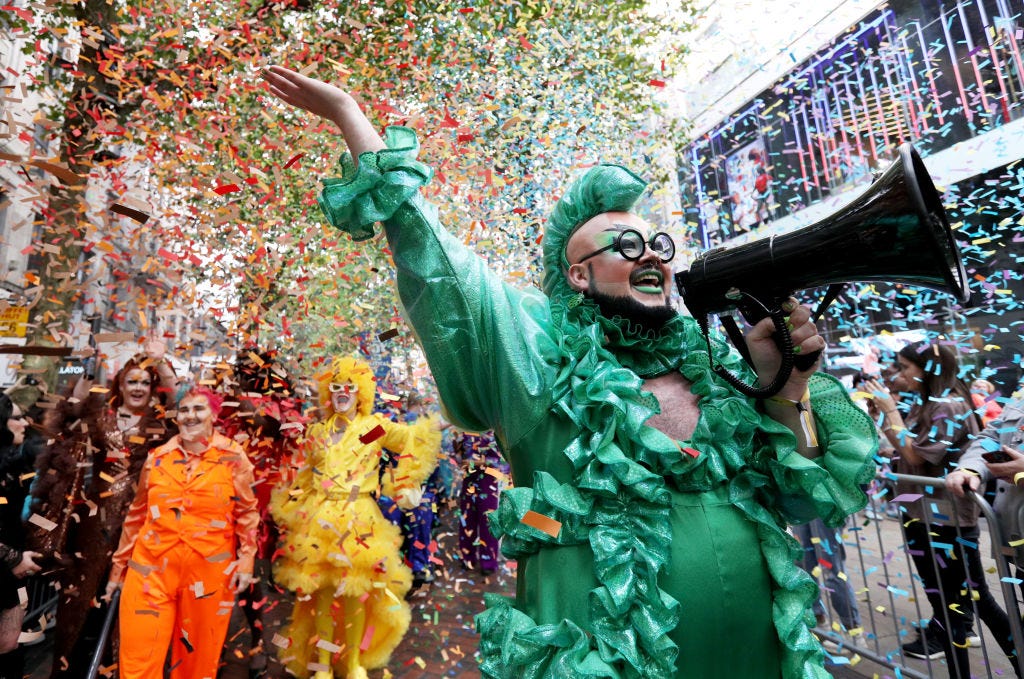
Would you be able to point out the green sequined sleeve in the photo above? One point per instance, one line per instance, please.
(384, 180)
(483, 339)
(829, 486)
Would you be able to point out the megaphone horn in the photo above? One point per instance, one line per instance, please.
(896, 232)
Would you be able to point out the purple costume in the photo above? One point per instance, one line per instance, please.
(478, 548)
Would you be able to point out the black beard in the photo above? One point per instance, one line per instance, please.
(651, 318)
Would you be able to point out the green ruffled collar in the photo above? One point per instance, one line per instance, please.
(646, 352)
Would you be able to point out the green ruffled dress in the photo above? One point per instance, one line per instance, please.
(672, 559)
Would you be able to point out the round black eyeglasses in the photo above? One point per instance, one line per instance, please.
(630, 244)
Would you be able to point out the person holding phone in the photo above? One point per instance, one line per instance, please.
(16, 562)
(996, 454)
(85, 481)
(929, 439)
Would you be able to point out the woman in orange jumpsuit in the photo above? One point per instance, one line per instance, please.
(338, 552)
(187, 548)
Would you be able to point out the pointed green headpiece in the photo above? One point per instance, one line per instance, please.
(604, 188)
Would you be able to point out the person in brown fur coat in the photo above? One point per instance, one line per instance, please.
(85, 481)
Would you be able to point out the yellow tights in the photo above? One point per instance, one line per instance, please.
(351, 614)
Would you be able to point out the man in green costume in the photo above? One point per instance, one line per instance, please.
(651, 498)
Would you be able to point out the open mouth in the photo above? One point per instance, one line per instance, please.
(648, 281)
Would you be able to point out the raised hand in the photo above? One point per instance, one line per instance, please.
(327, 101)
(155, 350)
(881, 396)
(315, 96)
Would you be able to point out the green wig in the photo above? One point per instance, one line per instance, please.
(604, 188)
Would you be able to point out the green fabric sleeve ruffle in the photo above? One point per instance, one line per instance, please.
(560, 502)
(513, 646)
(374, 190)
(829, 486)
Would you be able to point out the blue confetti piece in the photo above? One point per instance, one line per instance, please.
(967, 543)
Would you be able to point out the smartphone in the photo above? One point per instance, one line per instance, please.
(996, 457)
(89, 368)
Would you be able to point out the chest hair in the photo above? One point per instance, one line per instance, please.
(679, 410)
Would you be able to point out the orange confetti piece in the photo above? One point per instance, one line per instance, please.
(59, 171)
(544, 524)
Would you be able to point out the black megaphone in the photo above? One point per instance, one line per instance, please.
(896, 232)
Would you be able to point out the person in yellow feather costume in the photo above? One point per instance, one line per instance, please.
(338, 553)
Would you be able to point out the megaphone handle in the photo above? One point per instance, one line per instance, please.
(782, 338)
(752, 314)
(807, 361)
(732, 329)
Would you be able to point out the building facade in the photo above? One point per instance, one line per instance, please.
(128, 282)
(946, 77)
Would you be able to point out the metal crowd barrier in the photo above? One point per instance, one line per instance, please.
(101, 643)
(889, 593)
(42, 606)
